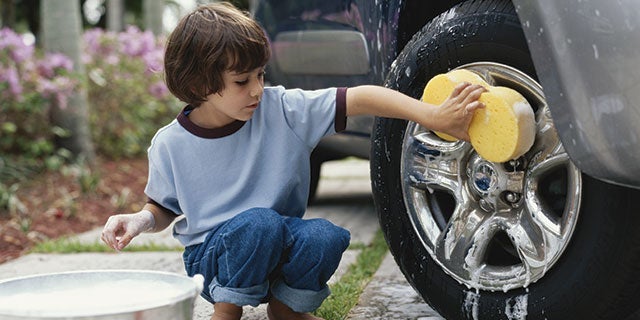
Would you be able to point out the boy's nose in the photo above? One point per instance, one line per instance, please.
(256, 91)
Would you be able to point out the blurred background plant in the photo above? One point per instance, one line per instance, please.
(29, 82)
(129, 100)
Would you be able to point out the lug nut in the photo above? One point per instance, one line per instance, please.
(515, 164)
(512, 197)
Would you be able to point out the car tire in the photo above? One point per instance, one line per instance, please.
(318, 157)
(316, 161)
(592, 274)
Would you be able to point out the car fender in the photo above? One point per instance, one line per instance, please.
(586, 56)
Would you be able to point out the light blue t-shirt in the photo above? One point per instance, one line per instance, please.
(210, 175)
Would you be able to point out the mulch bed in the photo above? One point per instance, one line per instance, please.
(55, 205)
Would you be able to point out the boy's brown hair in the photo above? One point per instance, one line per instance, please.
(212, 39)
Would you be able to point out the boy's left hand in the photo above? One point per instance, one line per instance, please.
(457, 111)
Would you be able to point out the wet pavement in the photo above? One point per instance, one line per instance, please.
(344, 197)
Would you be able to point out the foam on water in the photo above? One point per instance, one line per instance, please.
(117, 295)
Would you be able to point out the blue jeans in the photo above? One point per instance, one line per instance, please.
(260, 253)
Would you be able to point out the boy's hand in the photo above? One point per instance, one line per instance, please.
(457, 111)
(121, 229)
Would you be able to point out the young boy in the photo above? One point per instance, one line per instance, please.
(235, 166)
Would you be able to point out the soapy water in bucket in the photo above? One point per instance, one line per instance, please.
(119, 295)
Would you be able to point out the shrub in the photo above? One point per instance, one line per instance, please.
(29, 82)
(129, 100)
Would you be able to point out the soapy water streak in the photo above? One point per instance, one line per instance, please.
(515, 307)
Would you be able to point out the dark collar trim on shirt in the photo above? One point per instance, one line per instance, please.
(206, 133)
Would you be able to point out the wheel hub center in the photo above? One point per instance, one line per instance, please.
(484, 178)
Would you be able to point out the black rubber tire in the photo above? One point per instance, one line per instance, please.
(597, 275)
(319, 156)
(316, 161)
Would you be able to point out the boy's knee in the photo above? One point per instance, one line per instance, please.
(261, 223)
(326, 235)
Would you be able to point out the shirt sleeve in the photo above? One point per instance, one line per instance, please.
(160, 187)
(314, 114)
(341, 109)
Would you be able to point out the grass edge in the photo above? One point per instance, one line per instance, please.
(345, 293)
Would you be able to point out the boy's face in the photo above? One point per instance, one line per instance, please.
(239, 98)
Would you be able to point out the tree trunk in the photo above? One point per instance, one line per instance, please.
(8, 14)
(115, 15)
(61, 32)
(152, 10)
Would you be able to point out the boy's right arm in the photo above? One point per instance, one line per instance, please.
(452, 117)
(122, 228)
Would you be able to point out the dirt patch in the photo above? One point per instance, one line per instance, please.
(55, 204)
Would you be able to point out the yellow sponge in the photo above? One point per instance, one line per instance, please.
(503, 130)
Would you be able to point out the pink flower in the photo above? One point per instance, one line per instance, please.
(45, 86)
(135, 43)
(112, 59)
(98, 44)
(18, 50)
(48, 67)
(58, 60)
(158, 90)
(91, 39)
(15, 87)
(154, 61)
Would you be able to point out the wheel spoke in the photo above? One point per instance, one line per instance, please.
(433, 163)
(466, 238)
(541, 212)
(530, 240)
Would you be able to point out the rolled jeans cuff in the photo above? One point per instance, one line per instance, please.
(251, 296)
(299, 300)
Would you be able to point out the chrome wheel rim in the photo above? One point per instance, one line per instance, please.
(492, 226)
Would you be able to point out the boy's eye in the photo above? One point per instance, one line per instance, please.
(243, 82)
